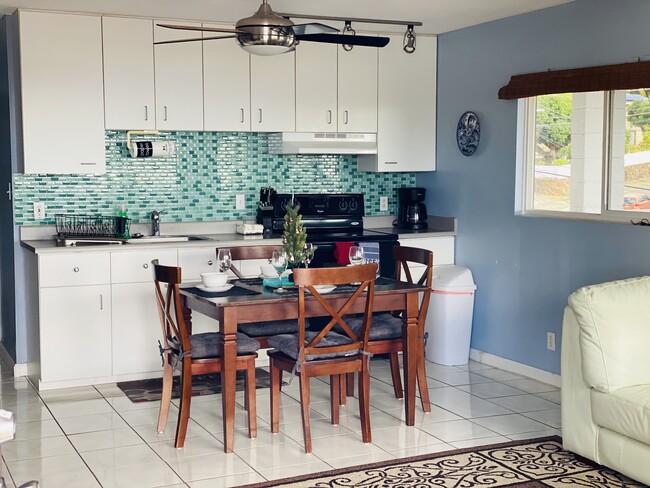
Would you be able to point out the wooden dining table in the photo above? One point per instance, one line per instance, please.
(266, 305)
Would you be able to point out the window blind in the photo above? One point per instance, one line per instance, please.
(596, 78)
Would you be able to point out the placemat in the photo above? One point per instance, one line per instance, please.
(233, 292)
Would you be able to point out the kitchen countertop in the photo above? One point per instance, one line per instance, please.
(219, 235)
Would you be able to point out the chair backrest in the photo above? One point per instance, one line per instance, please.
(306, 279)
(404, 255)
(242, 253)
(175, 333)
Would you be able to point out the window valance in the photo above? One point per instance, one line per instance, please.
(596, 78)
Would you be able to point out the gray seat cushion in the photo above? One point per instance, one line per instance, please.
(273, 327)
(288, 344)
(209, 345)
(382, 327)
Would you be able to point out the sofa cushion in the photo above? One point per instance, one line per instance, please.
(626, 411)
(614, 321)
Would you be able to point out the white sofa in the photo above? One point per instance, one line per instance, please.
(606, 375)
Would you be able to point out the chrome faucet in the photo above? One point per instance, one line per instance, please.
(155, 223)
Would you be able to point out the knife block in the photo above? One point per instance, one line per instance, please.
(265, 216)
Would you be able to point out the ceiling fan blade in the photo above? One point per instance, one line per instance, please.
(313, 28)
(196, 39)
(201, 29)
(370, 41)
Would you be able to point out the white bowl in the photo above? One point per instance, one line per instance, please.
(214, 279)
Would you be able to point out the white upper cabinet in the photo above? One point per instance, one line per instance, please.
(61, 83)
(226, 84)
(179, 79)
(316, 87)
(357, 89)
(406, 134)
(273, 93)
(128, 73)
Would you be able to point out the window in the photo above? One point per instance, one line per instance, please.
(586, 155)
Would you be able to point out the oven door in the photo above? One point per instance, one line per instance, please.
(324, 255)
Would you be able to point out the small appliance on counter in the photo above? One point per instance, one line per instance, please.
(412, 213)
(265, 208)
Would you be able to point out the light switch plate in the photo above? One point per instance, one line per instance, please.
(39, 210)
(240, 202)
(383, 204)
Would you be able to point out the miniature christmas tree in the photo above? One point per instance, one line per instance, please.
(294, 237)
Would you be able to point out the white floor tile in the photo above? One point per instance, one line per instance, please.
(499, 375)
(551, 396)
(552, 417)
(105, 439)
(463, 404)
(492, 389)
(149, 433)
(274, 457)
(523, 403)
(374, 457)
(532, 435)
(289, 471)
(37, 430)
(37, 448)
(228, 481)
(457, 430)
(66, 470)
(69, 394)
(64, 409)
(531, 386)
(91, 423)
(211, 465)
(420, 450)
(479, 442)
(510, 424)
(340, 446)
(403, 437)
(199, 445)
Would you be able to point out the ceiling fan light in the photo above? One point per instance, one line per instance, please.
(268, 41)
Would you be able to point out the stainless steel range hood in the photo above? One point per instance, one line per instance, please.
(322, 143)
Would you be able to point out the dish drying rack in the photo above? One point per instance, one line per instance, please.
(73, 230)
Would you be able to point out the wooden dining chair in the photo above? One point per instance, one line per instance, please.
(261, 331)
(194, 354)
(386, 329)
(326, 353)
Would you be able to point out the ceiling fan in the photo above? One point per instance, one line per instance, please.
(266, 33)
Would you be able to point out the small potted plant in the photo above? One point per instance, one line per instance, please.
(294, 237)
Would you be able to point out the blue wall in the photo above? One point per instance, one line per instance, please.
(526, 267)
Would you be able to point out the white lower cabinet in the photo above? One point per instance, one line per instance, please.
(74, 310)
(136, 325)
(194, 262)
(75, 333)
(442, 248)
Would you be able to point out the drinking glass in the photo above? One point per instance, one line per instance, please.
(308, 253)
(356, 255)
(224, 260)
(279, 262)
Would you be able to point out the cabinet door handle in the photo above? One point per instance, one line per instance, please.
(88, 164)
(101, 301)
(145, 266)
(345, 117)
(329, 116)
(260, 111)
(146, 112)
(75, 269)
(210, 263)
(165, 113)
(241, 111)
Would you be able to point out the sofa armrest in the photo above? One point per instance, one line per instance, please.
(579, 433)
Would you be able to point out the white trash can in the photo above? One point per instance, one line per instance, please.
(448, 327)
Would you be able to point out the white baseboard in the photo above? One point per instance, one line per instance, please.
(515, 367)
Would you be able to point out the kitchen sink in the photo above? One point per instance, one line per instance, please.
(165, 239)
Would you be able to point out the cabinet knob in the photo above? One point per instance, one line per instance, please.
(145, 266)
(210, 263)
(75, 269)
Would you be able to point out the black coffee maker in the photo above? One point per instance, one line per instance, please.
(412, 212)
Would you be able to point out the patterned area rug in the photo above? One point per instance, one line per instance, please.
(202, 384)
(527, 464)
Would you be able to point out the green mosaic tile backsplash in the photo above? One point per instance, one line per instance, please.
(200, 182)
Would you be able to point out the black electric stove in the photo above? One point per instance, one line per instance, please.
(334, 217)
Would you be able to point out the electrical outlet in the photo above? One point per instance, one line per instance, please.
(240, 202)
(550, 341)
(39, 210)
(383, 204)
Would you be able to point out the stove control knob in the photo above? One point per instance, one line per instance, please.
(353, 205)
(343, 205)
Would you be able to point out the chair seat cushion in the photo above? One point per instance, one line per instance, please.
(382, 327)
(626, 411)
(209, 345)
(273, 327)
(288, 344)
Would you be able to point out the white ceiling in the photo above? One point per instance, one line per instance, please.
(438, 16)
